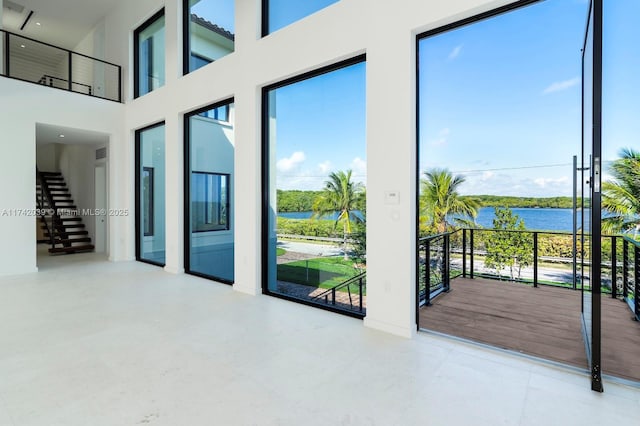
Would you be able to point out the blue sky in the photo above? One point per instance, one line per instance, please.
(320, 128)
(219, 12)
(501, 99)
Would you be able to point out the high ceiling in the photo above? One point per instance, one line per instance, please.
(47, 133)
(62, 23)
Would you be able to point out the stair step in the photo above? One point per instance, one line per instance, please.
(70, 225)
(69, 219)
(73, 249)
(63, 195)
(51, 173)
(73, 233)
(72, 240)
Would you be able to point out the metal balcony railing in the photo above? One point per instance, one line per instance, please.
(26, 59)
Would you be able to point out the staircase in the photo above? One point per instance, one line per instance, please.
(61, 223)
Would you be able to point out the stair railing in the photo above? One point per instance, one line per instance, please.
(45, 193)
(329, 295)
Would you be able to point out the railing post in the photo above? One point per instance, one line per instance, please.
(625, 268)
(360, 292)
(446, 245)
(636, 282)
(614, 269)
(427, 273)
(333, 296)
(70, 72)
(471, 254)
(464, 253)
(7, 56)
(119, 83)
(535, 259)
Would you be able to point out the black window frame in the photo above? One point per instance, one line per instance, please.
(264, 245)
(148, 230)
(186, 144)
(264, 19)
(136, 51)
(227, 204)
(138, 182)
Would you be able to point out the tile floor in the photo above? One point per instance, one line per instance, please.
(88, 342)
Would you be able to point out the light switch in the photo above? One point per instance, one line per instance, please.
(392, 197)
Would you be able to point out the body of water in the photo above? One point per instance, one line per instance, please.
(539, 219)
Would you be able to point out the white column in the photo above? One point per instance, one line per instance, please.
(391, 186)
(248, 276)
(174, 195)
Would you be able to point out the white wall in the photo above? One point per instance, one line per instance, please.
(22, 105)
(77, 164)
(47, 157)
(386, 32)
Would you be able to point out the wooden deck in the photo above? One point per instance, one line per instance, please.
(544, 322)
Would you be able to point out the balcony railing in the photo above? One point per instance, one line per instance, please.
(549, 260)
(26, 59)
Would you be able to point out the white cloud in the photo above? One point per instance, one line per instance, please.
(442, 139)
(288, 164)
(487, 175)
(455, 52)
(359, 166)
(559, 86)
(551, 182)
(324, 167)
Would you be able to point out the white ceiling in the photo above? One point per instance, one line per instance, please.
(47, 133)
(63, 23)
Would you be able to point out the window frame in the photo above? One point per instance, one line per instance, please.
(138, 203)
(266, 183)
(150, 231)
(227, 204)
(186, 232)
(136, 50)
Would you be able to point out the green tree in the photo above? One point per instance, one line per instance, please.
(508, 249)
(440, 201)
(621, 195)
(340, 195)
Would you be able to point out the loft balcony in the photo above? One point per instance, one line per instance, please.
(26, 59)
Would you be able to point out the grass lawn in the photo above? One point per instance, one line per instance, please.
(280, 251)
(323, 272)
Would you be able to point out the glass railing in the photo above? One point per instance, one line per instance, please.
(30, 60)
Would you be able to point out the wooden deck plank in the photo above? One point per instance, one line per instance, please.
(543, 321)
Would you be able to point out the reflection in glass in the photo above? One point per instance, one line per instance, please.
(209, 31)
(209, 176)
(284, 12)
(316, 145)
(150, 170)
(149, 39)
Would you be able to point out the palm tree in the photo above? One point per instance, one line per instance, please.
(439, 200)
(621, 196)
(340, 195)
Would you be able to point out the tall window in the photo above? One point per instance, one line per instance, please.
(209, 31)
(315, 175)
(209, 157)
(150, 194)
(277, 14)
(149, 55)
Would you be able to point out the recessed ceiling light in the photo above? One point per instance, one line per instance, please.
(38, 23)
(61, 135)
(22, 45)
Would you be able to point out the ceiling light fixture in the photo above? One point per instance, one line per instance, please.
(22, 45)
(61, 135)
(38, 23)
